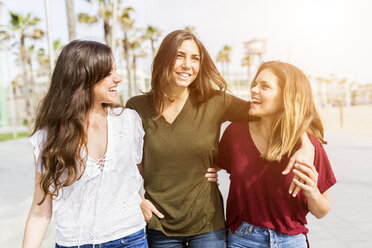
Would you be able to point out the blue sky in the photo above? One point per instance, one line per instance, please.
(322, 37)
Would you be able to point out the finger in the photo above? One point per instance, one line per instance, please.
(297, 189)
(309, 165)
(213, 170)
(148, 217)
(211, 175)
(301, 185)
(292, 186)
(289, 167)
(157, 212)
(307, 171)
(213, 180)
(306, 179)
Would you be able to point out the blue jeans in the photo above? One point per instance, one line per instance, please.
(248, 235)
(135, 240)
(214, 239)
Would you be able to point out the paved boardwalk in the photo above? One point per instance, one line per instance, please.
(347, 225)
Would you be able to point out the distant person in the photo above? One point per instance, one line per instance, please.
(86, 150)
(260, 211)
(182, 116)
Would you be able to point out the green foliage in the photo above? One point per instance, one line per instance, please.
(9, 136)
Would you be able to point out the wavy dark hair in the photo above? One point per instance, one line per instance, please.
(207, 83)
(63, 112)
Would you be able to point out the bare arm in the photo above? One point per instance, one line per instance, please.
(305, 153)
(318, 203)
(38, 218)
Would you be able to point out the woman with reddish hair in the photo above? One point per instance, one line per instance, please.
(260, 212)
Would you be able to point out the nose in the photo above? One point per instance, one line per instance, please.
(254, 89)
(186, 63)
(117, 78)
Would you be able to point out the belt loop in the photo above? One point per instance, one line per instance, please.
(251, 228)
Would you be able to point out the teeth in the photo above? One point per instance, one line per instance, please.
(184, 74)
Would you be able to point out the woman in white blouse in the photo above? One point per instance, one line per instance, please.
(86, 149)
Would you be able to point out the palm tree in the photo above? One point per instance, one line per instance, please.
(247, 61)
(227, 50)
(43, 58)
(71, 19)
(104, 12)
(23, 27)
(152, 33)
(191, 29)
(136, 52)
(127, 24)
(223, 57)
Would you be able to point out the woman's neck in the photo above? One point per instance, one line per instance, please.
(264, 126)
(179, 95)
(97, 111)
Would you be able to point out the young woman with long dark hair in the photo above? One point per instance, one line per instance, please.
(182, 115)
(86, 149)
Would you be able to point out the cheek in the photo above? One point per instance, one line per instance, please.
(196, 69)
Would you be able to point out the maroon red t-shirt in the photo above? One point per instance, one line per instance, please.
(258, 190)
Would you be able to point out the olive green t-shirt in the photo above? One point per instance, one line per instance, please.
(176, 157)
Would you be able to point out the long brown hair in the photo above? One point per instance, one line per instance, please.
(207, 83)
(63, 112)
(299, 114)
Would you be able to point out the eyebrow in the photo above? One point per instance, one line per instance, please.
(183, 53)
(264, 82)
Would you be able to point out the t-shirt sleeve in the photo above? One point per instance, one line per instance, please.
(37, 140)
(138, 134)
(236, 109)
(225, 151)
(326, 177)
(131, 104)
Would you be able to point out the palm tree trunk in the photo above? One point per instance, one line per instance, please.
(126, 57)
(71, 19)
(153, 48)
(107, 29)
(26, 85)
(134, 65)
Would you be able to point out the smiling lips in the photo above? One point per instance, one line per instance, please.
(256, 101)
(113, 89)
(184, 75)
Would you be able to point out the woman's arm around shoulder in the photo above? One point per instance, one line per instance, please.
(236, 109)
(38, 218)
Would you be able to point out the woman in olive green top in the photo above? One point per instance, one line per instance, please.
(182, 115)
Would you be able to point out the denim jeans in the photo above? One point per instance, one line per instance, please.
(248, 235)
(214, 239)
(135, 240)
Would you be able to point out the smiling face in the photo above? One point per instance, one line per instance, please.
(186, 67)
(267, 95)
(105, 91)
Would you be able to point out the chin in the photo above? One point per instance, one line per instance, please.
(253, 113)
(183, 84)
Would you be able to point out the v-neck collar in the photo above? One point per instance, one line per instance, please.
(180, 115)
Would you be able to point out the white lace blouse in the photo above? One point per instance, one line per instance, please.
(104, 204)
